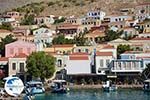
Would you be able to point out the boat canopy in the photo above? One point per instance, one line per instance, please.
(34, 82)
(59, 81)
(112, 76)
(7, 78)
(147, 80)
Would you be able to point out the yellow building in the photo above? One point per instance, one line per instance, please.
(60, 49)
(4, 33)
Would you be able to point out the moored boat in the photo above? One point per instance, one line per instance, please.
(146, 86)
(58, 86)
(109, 87)
(34, 87)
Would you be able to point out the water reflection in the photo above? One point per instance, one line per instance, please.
(97, 95)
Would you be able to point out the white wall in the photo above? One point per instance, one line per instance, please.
(78, 67)
(104, 58)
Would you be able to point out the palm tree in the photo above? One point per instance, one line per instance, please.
(146, 72)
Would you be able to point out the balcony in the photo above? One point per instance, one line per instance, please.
(127, 66)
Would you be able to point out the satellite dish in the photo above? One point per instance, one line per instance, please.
(13, 86)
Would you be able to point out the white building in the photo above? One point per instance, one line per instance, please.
(44, 35)
(78, 63)
(117, 18)
(97, 13)
(103, 60)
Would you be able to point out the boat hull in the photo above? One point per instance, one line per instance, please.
(59, 90)
(108, 89)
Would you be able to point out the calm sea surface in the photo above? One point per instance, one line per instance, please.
(124, 94)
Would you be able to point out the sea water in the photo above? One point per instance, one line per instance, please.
(97, 94)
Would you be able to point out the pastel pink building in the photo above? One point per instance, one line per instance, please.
(19, 47)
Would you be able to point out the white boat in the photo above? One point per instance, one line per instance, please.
(109, 87)
(146, 86)
(34, 87)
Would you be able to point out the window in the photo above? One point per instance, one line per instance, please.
(121, 26)
(119, 19)
(107, 62)
(21, 67)
(11, 50)
(59, 63)
(79, 50)
(20, 50)
(101, 63)
(14, 66)
(116, 20)
(86, 50)
(28, 50)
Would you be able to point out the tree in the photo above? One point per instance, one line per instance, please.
(122, 48)
(40, 65)
(146, 72)
(62, 40)
(112, 35)
(28, 20)
(8, 39)
(80, 40)
(6, 26)
(59, 20)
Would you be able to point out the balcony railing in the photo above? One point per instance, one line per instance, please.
(126, 65)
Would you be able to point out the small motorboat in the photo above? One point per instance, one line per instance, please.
(146, 86)
(109, 87)
(34, 87)
(58, 87)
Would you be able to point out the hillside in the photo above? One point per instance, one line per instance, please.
(70, 7)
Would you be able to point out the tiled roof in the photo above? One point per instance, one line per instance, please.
(68, 26)
(63, 46)
(21, 55)
(4, 31)
(140, 38)
(3, 59)
(104, 54)
(108, 47)
(79, 53)
(78, 58)
(132, 52)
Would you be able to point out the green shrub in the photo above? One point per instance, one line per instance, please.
(50, 3)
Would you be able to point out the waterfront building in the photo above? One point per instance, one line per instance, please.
(17, 65)
(3, 67)
(103, 60)
(19, 47)
(78, 64)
